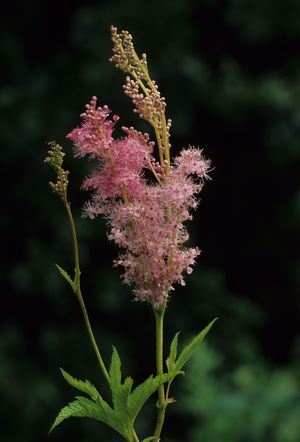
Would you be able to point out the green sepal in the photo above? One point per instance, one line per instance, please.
(189, 348)
(66, 276)
(84, 386)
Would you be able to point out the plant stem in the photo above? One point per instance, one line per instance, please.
(136, 439)
(159, 321)
(91, 335)
(79, 293)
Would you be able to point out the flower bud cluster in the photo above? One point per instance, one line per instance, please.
(125, 57)
(55, 159)
(143, 91)
(148, 103)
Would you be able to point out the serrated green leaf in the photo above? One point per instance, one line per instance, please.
(115, 369)
(120, 392)
(170, 362)
(99, 410)
(81, 407)
(66, 276)
(84, 386)
(117, 418)
(188, 350)
(74, 409)
(120, 395)
(113, 419)
(142, 393)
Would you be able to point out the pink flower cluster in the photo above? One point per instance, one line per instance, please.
(146, 218)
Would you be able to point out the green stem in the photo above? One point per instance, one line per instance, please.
(155, 122)
(168, 391)
(91, 336)
(159, 322)
(79, 294)
(136, 439)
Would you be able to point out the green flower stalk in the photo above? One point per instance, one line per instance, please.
(55, 159)
(147, 221)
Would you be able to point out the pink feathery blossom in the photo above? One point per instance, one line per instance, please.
(95, 135)
(146, 220)
(190, 161)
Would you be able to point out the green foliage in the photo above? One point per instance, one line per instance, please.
(84, 386)
(251, 402)
(171, 359)
(115, 369)
(120, 393)
(81, 407)
(142, 393)
(116, 418)
(126, 404)
(174, 364)
(75, 409)
(97, 408)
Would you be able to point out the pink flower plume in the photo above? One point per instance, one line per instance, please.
(146, 219)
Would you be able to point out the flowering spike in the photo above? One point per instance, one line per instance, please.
(55, 159)
(143, 91)
(148, 224)
(146, 220)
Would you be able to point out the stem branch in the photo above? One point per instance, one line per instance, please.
(79, 294)
(159, 321)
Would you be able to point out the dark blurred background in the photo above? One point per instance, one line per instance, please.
(230, 72)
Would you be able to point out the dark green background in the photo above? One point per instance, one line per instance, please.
(230, 72)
